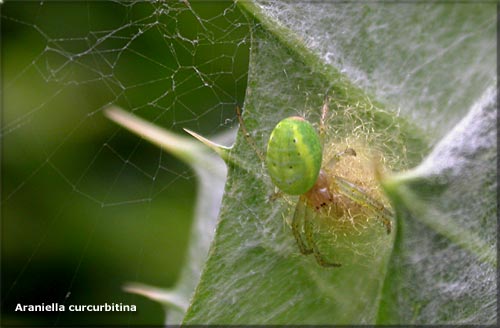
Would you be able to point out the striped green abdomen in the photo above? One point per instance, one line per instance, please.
(294, 155)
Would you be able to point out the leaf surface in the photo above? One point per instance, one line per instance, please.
(255, 274)
(413, 82)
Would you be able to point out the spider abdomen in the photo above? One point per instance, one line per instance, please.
(294, 155)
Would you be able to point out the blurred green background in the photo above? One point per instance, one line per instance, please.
(87, 206)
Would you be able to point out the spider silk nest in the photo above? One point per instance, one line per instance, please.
(350, 227)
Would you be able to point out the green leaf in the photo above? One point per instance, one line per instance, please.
(446, 249)
(254, 273)
(438, 266)
(211, 173)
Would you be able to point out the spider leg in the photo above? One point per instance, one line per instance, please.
(298, 216)
(310, 240)
(275, 195)
(324, 113)
(247, 135)
(386, 222)
(359, 196)
(347, 152)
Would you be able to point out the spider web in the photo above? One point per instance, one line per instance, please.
(83, 201)
(457, 51)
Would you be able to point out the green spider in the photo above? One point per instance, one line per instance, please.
(293, 160)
